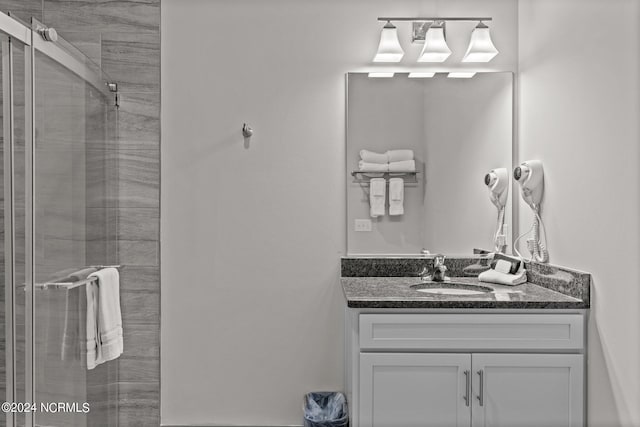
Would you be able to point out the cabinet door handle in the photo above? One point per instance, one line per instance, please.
(481, 393)
(467, 378)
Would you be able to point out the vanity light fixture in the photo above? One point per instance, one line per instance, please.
(481, 48)
(380, 74)
(431, 30)
(435, 46)
(461, 74)
(420, 75)
(389, 49)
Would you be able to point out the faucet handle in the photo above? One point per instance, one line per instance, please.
(424, 274)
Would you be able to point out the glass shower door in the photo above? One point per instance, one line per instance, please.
(58, 193)
(15, 90)
(74, 222)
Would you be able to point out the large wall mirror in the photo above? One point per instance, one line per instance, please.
(459, 129)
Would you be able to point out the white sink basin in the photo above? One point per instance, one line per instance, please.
(451, 288)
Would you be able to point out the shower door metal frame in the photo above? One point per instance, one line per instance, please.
(9, 220)
(13, 29)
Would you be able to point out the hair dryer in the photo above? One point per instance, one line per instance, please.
(530, 176)
(497, 180)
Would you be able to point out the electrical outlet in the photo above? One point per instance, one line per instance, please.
(362, 225)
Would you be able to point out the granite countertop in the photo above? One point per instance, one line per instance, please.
(548, 287)
(396, 292)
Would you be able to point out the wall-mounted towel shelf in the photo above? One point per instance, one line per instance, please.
(72, 285)
(363, 176)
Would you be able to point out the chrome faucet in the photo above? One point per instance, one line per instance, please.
(439, 271)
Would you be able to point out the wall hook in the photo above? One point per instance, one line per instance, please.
(247, 132)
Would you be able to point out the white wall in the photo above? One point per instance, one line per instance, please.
(252, 234)
(579, 110)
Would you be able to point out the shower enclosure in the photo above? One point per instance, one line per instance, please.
(58, 190)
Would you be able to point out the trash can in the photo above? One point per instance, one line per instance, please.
(325, 409)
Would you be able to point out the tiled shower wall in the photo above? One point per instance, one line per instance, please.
(124, 38)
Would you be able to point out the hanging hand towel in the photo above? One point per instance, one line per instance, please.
(93, 346)
(373, 157)
(377, 193)
(373, 167)
(403, 166)
(396, 196)
(399, 155)
(104, 318)
(73, 316)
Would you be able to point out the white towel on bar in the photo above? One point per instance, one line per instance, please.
(377, 193)
(396, 196)
(104, 318)
(399, 155)
(373, 167)
(74, 324)
(373, 157)
(403, 166)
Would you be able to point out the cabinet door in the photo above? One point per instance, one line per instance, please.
(411, 390)
(528, 390)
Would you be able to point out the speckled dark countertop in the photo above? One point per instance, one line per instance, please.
(386, 283)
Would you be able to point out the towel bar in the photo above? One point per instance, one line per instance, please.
(72, 285)
(363, 176)
(65, 285)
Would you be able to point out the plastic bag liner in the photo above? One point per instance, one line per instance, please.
(325, 409)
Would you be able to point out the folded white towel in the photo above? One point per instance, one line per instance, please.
(399, 155)
(403, 166)
(396, 196)
(493, 276)
(104, 318)
(373, 157)
(373, 167)
(377, 193)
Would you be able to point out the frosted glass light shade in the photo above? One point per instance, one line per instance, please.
(481, 48)
(435, 47)
(389, 49)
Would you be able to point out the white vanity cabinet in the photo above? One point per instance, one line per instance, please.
(414, 389)
(481, 369)
(527, 390)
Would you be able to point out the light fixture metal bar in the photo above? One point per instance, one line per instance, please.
(457, 18)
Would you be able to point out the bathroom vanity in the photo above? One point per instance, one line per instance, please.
(510, 356)
(459, 353)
